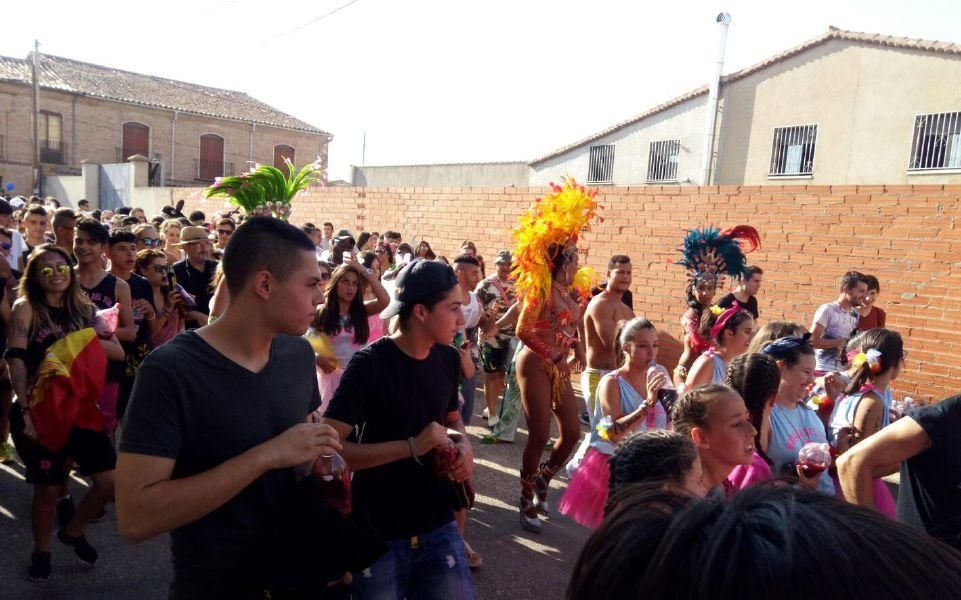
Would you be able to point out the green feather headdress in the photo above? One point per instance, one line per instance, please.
(266, 191)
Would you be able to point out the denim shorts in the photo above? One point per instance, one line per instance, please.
(432, 566)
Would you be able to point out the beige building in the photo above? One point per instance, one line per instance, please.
(843, 108)
(94, 114)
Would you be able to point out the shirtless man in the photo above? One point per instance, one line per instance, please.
(601, 319)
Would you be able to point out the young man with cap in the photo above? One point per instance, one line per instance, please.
(403, 388)
(496, 295)
(196, 272)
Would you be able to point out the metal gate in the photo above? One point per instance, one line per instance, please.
(115, 183)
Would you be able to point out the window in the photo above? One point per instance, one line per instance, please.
(136, 140)
(282, 151)
(50, 132)
(211, 157)
(937, 142)
(662, 161)
(792, 152)
(601, 168)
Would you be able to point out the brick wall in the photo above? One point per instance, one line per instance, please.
(908, 236)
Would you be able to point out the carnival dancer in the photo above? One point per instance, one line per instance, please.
(709, 255)
(548, 324)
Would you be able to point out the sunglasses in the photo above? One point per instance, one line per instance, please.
(151, 242)
(159, 268)
(6, 245)
(49, 272)
(226, 232)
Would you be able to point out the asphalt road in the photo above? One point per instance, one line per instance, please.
(518, 565)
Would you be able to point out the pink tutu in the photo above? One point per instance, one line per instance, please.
(587, 492)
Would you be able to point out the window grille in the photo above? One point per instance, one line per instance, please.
(936, 143)
(601, 168)
(662, 160)
(792, 150)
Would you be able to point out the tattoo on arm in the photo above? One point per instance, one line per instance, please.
(20, 329)
(18, 378)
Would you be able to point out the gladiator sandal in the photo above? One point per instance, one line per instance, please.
(541, 483)
(528, 504)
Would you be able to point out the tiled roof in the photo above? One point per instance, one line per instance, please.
(67, 75)
(833, 33)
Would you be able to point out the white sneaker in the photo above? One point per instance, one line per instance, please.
(486, 414)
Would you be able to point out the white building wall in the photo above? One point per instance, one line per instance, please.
(632, 146)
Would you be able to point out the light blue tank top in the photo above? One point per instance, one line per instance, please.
(790, 430)
(631, 399)
(843, 414)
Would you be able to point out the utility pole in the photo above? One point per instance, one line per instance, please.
(36, 117)
(363, 150)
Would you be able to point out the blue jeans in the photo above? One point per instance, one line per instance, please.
(432, 566)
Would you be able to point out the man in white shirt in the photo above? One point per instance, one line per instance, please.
(834, 322)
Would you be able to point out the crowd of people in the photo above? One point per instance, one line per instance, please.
(243, 348)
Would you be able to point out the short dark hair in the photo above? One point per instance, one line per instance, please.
(392, 235)
(130, 221)
(753, 270)
(748, 546)
(5, 207)
(851, 279)
(120, 236)
(123, 210)
(227, 221)
(35, 209)
(82, 201)
(198, 215)
(329, 224)
(97, 232)
(617, 259)
(63, 214)
(262, 243)
(96, 214)
(467, 259)
(873, 283)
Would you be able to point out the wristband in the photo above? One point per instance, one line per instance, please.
(410, 444)
(20, 353)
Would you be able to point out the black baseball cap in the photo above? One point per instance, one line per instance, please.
(419, 281)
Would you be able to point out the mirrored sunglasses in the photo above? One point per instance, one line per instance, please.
(49, 271)
(151, 242)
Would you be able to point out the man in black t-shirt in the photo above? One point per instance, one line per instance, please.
(403, 390)
(195, 273)
(927, 443)
(219, 415)
(746, 292)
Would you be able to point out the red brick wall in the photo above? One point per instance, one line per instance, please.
(908, 236)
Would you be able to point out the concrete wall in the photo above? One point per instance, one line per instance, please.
(453, 175)
(632, 148)
(93, 129)
(908, 236)
(67, 189)
(862, 97)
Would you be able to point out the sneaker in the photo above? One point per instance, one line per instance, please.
(81, 549)
(99, 516)
(39, 566)
(585, 418)
(486, 413)
(7, 454)
(474, 559)
(65, 511)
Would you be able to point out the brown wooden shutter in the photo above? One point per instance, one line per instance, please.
(211, 157)
(136, 140)
(281, 152)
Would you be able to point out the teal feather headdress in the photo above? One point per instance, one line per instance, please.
(266, 190)
(711, 253)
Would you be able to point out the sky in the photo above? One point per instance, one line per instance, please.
(441, 81)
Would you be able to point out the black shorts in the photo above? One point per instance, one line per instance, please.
(91, 450)
(494, 359)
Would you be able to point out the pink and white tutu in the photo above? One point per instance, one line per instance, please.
(587, 492)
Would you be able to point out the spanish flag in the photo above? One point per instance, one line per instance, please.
(69, 382)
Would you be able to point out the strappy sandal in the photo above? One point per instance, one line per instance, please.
(541, 484)
(532, 524)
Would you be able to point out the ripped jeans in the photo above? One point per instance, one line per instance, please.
(432, 566)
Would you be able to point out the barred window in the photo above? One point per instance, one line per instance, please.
(601, 168)
(792, 150)
(937, 142)
(662, 160)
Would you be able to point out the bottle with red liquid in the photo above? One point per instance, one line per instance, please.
(329, 479)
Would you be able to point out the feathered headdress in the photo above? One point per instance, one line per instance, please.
(267, 191)
(711, 253)
(557, 219)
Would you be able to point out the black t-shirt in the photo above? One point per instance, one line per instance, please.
(394, 396)
(197, 283)
(727, 301)
(194, 405)
(930, 493)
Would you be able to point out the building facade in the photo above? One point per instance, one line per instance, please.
(94, 114)
(843, 108)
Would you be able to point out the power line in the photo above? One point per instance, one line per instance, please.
(311, 22)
